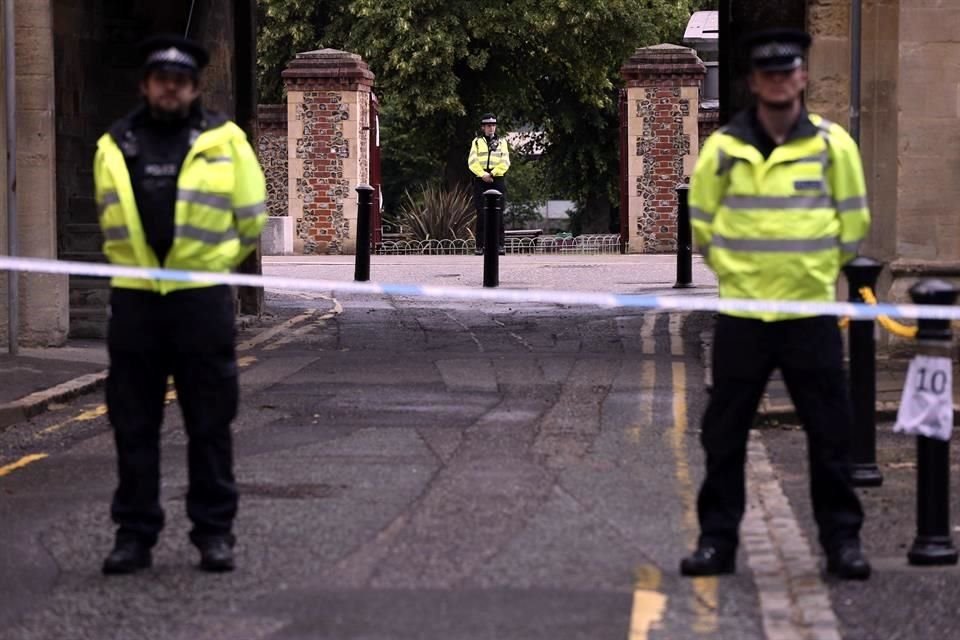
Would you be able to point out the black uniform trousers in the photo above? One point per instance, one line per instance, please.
(479, 187)
(809, 354)
(190, 335)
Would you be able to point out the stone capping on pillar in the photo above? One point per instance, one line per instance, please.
(272, 116)
(663, 62)
(328, 66)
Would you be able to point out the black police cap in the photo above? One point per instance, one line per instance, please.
(777, 49)
(174, 53)
(488, 118)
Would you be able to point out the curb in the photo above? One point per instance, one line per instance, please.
(36, 403)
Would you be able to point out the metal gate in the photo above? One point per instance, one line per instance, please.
(375, 180)
(624, 173)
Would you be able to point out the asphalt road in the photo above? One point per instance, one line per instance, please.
(416, 469)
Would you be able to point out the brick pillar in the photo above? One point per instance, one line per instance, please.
(272, 153)
(663, 96)
(328, 147)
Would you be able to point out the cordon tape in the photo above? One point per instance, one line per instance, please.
(858, 311)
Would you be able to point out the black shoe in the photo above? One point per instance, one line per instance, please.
(708, 561)
(478, 251)
(216, 555)
(848, 563)
(501, 251)
(128, 556)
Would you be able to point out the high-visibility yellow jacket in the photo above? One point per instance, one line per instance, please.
(781, 227)
(219, 214)
(488, 158)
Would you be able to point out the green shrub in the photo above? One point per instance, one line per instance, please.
(435, 213)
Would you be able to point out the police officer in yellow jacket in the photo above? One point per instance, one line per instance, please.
(778, 204)
(488, 161)
(177, 186)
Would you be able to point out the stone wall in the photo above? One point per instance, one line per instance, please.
(707, 122)
(910, 127)
(663, 85)
(272, 153)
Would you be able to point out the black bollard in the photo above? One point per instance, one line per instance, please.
(361, 270)
(491, 240)
(933, 544)
(684, 240)
(863, 272)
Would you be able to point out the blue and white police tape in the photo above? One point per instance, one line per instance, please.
(567, 298)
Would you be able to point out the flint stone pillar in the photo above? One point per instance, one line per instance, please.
(663, 106)
(328, 147)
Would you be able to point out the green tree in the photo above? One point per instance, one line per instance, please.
(552, 64)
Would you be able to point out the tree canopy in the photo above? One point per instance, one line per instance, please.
(549, 65)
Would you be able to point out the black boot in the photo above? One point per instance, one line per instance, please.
(848, 563)
(708, 561)
(128, 556)
(216, 555)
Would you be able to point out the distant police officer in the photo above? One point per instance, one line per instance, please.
(489, 161)
(778, 204)
(177, 186)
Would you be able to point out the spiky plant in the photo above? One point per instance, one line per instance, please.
(435, 213)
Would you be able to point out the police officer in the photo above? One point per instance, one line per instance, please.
(177, 186)
(489, 161)
(778, 204)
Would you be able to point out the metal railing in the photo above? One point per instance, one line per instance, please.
(590, 244)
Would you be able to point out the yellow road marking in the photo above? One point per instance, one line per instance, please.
(302, 331)
(648, 603)
(648, 342)
(83, 416)
(705, 589)
(645, 419)
(676, 334)
(22, 462)
(263, 336)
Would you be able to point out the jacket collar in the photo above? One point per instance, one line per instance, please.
(746, 127)
(200, 121)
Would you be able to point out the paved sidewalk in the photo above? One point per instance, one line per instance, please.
(37, 377)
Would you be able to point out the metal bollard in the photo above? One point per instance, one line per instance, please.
(863, 272)
(684, 240)
(492, 200)
(933, 544)
(361, 269)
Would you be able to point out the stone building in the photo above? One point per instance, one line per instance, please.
(76, 71)
(909, 131)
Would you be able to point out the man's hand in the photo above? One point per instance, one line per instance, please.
(487, 177)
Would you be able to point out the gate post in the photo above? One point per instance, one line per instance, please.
(328, 141)
(662, 141)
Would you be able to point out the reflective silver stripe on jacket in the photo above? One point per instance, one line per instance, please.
(109, 198)
(217, 159)
(820, 158)
(852, 204)
(248, 242)
(778, 202)
(215, 200)
(251, 211)
(775, 245)
(700, 214)
(850, 247)
(116, 233)
(205, 235)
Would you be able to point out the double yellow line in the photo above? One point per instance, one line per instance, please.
(649, 603)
